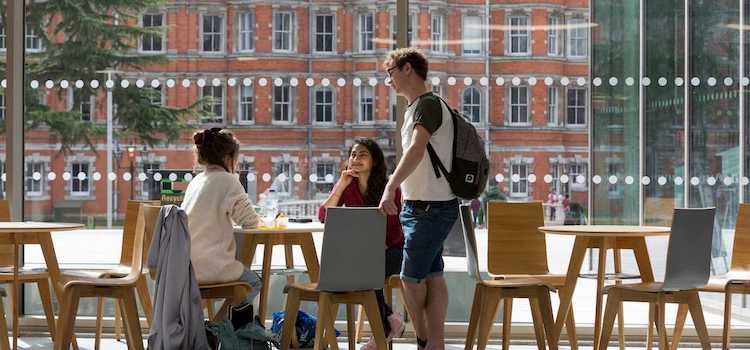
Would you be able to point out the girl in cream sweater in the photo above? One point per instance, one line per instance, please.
(214, 201)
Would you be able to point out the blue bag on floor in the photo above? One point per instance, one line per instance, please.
(305, 326)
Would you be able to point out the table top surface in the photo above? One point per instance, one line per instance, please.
(30, 226)
(290, 228)
(607, 230)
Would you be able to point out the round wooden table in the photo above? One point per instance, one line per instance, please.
(20, 233)
(294, 234)
(603, 237)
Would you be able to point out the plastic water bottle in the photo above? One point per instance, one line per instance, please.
(271, 207)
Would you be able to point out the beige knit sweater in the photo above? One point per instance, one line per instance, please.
(215, 199)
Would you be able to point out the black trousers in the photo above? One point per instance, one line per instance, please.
(393, 258)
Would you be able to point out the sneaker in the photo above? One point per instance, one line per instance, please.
(370, 345)
(397, 327)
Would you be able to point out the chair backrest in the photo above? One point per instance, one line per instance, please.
(353, 256)
(741, 247)
(514, 243)
(146, 219)
(128, 230)
(689, 252)
(470, 240)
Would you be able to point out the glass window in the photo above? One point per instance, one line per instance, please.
(79, 179)
(214, 107)
(282, 104)
(472, 104)
(578, 38)
(438, 33)
(576, 107)
(472, 32)
(324, 105)
(282, 31)
(519, 188)
(2, 36)
(246, 32)
(156, 95)
(81, 102)
(552, 105)
(153, 166)
(409, 31)
(393, 99)
(519, 105)
(322, 170)
(366, 114)
(2, 105)
(574, 170)
(34, 175)
(366, 32)
(153, 42)
(519, 34)
(614, 169)
(554, 35)
(247, 104)
(213, 33)
(324, 37)
(33, 41)
(283, 183)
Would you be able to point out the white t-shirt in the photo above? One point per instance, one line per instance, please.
(433, 115)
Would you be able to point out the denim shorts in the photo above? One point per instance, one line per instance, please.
(426, 225)
(253, 279)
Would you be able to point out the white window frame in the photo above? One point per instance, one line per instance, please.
(332, 34)
(362, 101)
(214, 119)
(464, 30)
(245, 36)
(321, 180)
(553, 106)
(74, 179)
(576, 107)
(515, 187)
(574, 185)
(437, 33)
(289, 117)
(288, 185)
(242, 102)
(91, 102)
(162, 36)
(162, 96)
(28, 178)
(282, 31)
(330, 104)
(475, 104)
(519, 31)
(220, 33)
(30, 34)
(554, 35)
(614, 190)
(409, 30)
(363, 44)
(512, 105)
(579, 33)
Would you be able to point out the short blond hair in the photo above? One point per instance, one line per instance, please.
(411, 55)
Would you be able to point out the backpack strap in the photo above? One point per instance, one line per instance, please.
(437, 165)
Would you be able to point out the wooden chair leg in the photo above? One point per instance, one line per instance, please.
(210, 309)
(661, 328)
(4, 344)
(290, 318)
(621, 313)
(14, 299)
(98, 327)
(324, 301)
(726, 333)
(679, 325)
(360, 324)
(536, 317)
(490, 304)
(118, 322)
(66, 322)
(611, 310)
(46, 297)
(476, 309)
(330, 331)
(350, 326)
(651, 324)
(132, 324)
(545, 307)
(145, 297)
(507, 321)
(570, 329)
(696, 312)
(373, 316)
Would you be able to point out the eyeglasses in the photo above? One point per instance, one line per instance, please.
(390, 71)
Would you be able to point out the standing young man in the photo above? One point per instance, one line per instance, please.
(430, 208)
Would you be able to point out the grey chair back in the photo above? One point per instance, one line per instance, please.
(689, 252)
(353, 256)
(472, 260)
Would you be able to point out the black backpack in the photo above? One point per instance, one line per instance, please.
(470, 168)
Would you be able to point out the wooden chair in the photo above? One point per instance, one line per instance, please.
(516, 249)
(122, 288)
(122, 270)
(688, 269)
(736, 281)
(8, 264)
(342, 281)
(4, 345)
(488, 293)
(233, 293)
(391, 283)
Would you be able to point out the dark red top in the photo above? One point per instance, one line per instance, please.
(352, 197)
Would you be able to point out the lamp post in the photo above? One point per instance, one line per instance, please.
(131, 155)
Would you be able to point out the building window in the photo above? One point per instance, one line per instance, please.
(247, 105)
(472, 41)
(554, 36)
(214, 106)
(519, 105)
(521, 187)
(394, 100)
(156, 96)
(614, 168)
(212, 33)
(366, 32)
(472, 104)
(283, 186)
(33, 178)
(246, 34)
(437, 90)
(33, 41)
(519, 35)
(366, 114)
(153, 167)
(2, 36)
(282, 104)
(282, 31)
(324, 33)
(438, 33)
(574, 170)
(409, 30)
(81, 102)
(79, 179)
(324, 105)
(322, 170)
(553, 105)
(578, 40)
(2, 105)
(576, 107)
(556, 170)
(153, 42)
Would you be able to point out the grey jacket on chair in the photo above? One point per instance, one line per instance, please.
(178, 316)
